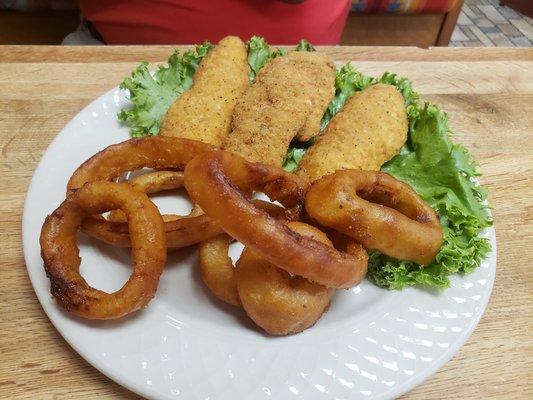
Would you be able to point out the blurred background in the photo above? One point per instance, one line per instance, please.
(420, 23)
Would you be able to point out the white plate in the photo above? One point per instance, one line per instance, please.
(372, 343)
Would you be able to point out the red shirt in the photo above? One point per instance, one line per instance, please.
(193, 21)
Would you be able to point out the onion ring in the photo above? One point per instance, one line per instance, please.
(152, 182)
(158, 152)
(218, 272)
(378, 211)
(60, 252)
(181, 232)
(213, 180)
(277, 301)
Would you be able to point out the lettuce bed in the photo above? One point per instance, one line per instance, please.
(440, 171)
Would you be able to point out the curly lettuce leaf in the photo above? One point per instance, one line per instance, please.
(295, 153)
(259, 55)
(152, 95)
(292, 159)
(437, 168)
(442, 173)
(304, 45)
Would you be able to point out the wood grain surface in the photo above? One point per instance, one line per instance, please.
(488, 94)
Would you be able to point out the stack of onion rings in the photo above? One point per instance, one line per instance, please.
(215, 264)
(288, 271)
(356, 208)
(158, 152)
(277, 301)
(215, 180)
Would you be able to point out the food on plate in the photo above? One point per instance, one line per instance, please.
(260, 53)
(181, 231)
(217, 267)
(216, 181)
(442, 173)
(204, 111)
(159, 152)
(152, 182)
(287, 100)
(379, 212)
(277, 301)
(419, 219)
(60, 252)
(234, 178)
(151, 95)
(368, 131)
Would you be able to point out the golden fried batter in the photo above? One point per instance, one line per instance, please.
(288, 99)
(369, 130)
(204, 111)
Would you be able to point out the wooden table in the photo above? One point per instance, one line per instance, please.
(488, 94)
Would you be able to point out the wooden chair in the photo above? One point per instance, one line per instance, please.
(408, 28)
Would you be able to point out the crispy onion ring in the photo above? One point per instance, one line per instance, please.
(158, 152)
(60, 251)
(152, 182)
(378, 211)
(277, 301)
(218, 272)
(213, 181)
(181, 232)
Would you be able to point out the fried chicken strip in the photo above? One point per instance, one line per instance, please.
(369, 130)
(204, 111)
(288, 99)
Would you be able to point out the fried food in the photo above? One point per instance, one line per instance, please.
(378, 211)
(215, 181)
(287, 100)
(217, 268)
(181, 232)
(218, 272)
(204, 111)
(277, 301)
(60, 252)
(158, 152)
(369, 130)
(152, 182)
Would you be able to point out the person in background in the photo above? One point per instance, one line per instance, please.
(192, 21)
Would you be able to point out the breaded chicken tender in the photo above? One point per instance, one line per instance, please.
(288, 99)
(204, 111)
(368, 131)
